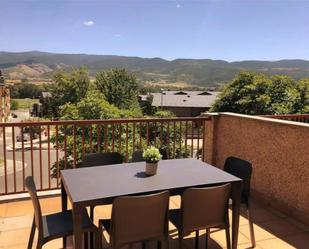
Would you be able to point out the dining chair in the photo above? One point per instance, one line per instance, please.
(53, 226)
(137, 156)
(202, 208)
(99, 159)
(138, 219)
(102, 158)
(243, 170)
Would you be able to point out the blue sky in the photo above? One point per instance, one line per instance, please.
(230, 30)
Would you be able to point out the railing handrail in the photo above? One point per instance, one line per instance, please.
(101, 121)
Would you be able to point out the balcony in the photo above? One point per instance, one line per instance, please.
(275, 147)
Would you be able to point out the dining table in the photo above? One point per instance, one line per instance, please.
(100, 185)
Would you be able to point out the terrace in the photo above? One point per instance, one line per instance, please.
(275, 146)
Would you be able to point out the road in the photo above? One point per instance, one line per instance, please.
(31, 168)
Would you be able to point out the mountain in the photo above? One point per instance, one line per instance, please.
(202, 72)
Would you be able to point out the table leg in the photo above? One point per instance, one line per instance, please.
(64, 205)
(77, 227)
(236, 200)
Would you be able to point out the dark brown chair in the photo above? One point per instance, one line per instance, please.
(53, 226)
(137, 156)
(243, 170)
(138, 219)
(99, 159)
(202, 208)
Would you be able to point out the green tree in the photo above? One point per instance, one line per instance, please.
(66, 88)
(119, 87)
(302, 106)
(256, 94)
(14, 104)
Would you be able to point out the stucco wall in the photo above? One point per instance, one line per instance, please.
(279, 152)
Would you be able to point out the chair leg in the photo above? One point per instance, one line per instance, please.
(227, 235)
(180, 240)
(207, 238)
(251, 224)
(100, 239)
(159, 244)
(97, 241)
(30, 242)
(92, 235)
(143, 245)
(86, 240)
(196, 239)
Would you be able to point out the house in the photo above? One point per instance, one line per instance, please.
(184, 103)
(5, 100)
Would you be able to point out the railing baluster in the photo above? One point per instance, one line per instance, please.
(180, 138)
(120, 132)
(147, 132)
(83, 142)
(113, 137)
(65, 147)
(133, 137)
(31, 151)
(14, 156)
(105, 138)
(74, 146)
(98, 138)
(168, 137)
(186, 137)
(161, 134)
(48, 155)
(198, 140)
(192, 138)
(174, 139)
(40, 156)
(57, 156)
(5, 165)
(140, 135)
(23, 156)
(90, 139)
(127, 141)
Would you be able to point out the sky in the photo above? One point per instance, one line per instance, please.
(230, 30)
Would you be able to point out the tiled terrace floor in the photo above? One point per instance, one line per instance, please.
(273, 230)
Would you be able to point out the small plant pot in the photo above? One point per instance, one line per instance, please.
(151, 168)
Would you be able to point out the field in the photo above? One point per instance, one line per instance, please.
(25, 103)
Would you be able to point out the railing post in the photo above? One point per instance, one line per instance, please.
(209, 139)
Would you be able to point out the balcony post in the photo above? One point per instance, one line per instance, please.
(209, 139)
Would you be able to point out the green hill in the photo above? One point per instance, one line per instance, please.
(202, 72)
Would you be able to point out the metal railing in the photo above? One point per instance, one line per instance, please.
(42, 149)
(304, 118)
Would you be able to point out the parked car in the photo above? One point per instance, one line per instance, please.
(26, 137)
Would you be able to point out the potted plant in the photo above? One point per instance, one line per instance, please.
(152, 156)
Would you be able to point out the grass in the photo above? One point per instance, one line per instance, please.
(25, 103)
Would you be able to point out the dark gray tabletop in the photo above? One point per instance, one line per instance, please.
(95, 183)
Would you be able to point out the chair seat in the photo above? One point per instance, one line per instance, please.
(61, 224)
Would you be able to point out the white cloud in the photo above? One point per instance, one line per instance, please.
(117, 35)
(88, 23)
(178, 5)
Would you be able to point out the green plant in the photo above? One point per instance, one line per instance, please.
(152, 155)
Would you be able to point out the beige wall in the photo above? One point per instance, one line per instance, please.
(278, 150)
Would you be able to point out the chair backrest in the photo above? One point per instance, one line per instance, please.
(241, 169)
(99, 159)
(164, 153)
(137, 156)
(30, 185)
(138, 218)
(204, 207)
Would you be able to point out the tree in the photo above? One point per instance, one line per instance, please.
(256, 94)
(302, 106)
(119, 87)
(67, 88)
(14, 104)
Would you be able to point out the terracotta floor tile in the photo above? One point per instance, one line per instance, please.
(3, 208)
(19, 208)
(260, 232)
(274, 244)
(14, 238)
(13, 223)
